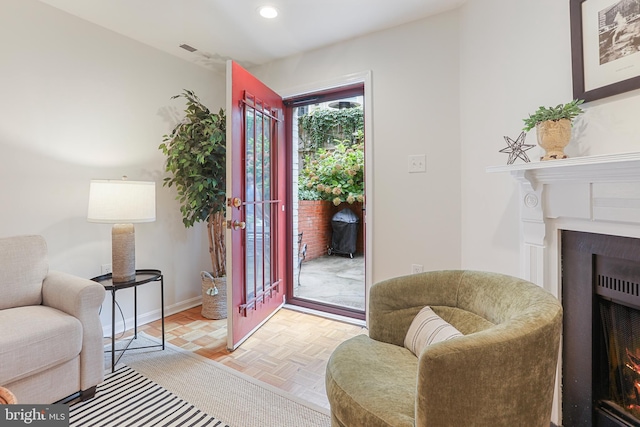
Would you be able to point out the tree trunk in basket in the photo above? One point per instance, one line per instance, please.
(217, 248)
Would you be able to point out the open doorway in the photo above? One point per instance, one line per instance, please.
(328, 188)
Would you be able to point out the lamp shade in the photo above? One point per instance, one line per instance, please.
(120, 202)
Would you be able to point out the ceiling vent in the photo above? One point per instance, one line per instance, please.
(188, 48)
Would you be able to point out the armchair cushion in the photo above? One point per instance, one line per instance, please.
(374, 391)
(53, 338)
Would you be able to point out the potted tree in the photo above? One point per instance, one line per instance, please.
(196, 161)
(553, 126)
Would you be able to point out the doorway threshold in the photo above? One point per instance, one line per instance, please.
(319, 313)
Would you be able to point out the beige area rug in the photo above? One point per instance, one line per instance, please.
(233, 397)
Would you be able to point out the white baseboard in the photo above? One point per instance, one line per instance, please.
(151, 316)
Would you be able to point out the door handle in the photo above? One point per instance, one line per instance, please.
(235, 202)
(236, 225)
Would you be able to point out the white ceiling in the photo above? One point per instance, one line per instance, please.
(233, 29)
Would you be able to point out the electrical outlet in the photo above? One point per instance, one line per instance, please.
(416, 268)
(106, 268)
(417, 163)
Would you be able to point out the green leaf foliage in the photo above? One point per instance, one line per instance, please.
(336, 175)
(320, 127)
(196, 163)
(196, 160)
(567, 111)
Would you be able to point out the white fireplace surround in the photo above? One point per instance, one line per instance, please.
(596, 194)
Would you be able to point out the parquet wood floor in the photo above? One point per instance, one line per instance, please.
(290, 351)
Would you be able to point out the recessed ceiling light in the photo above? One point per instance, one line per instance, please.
(268, 12)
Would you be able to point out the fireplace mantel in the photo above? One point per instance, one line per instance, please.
(598, 194)
(604, 168)
(595, 188)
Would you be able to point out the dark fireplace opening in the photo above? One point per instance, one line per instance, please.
(601, 331)
(617, 391)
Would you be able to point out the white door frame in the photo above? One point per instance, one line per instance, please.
(364, 78)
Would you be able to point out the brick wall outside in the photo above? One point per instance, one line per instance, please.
(314, 221)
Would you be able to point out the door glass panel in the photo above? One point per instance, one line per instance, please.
(259, 206)
(266, 188)
(259, 223)
(250, 278)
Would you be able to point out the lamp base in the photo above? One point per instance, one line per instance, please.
(123, 253)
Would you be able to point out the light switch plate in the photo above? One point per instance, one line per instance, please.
(417, 163)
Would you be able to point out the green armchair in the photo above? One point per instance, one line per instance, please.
(500, 373)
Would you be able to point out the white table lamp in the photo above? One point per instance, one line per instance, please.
(122, 203)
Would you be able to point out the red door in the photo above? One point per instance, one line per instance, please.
(256, 190)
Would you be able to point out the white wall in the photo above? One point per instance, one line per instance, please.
(514, 57)
(415, 111)
(80, 102)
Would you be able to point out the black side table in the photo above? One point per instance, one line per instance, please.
(142, 277)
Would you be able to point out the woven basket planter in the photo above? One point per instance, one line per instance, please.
(214, 296)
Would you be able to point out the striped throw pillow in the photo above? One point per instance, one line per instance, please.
(428, 328)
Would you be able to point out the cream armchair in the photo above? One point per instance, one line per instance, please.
(500, 373)
(50, 331)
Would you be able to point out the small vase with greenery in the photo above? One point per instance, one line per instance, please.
(196, 161)
(553, 126)
(568, 111)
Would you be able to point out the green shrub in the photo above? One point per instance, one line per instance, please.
(336, 175)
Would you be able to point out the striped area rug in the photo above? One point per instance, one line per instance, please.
(126, 398)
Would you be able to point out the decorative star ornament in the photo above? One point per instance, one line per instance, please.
(516, 149)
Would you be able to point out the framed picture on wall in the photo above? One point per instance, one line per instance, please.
(605, 45)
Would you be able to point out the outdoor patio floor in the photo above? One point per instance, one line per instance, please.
(333, 279)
